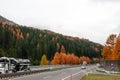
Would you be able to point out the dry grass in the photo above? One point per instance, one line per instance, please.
(100, 77)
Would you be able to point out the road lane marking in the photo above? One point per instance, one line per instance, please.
(87, 70)
(72, 75)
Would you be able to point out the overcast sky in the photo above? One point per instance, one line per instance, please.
(91, 19)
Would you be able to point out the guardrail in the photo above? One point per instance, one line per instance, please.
(38, 69)
(22, 73)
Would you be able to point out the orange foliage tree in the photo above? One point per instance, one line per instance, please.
(71, 58)
(111, 51)
(107, 52)
(68, 59)
(88, 60)
(117, 47)
(56, 60)
(63, 58)
(96, 60)
(83, 58)
(76, 60)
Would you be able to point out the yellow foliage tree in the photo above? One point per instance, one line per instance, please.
(44, 60)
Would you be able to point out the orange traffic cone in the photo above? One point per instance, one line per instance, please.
(70, 76)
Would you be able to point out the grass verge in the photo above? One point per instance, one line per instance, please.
(100, 77)
(104, 71)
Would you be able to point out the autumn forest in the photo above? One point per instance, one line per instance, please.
(37, 45)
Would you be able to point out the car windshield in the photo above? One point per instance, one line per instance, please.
(2, 65)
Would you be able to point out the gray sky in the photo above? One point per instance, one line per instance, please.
(91, 19)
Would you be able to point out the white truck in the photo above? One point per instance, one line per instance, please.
(10, 65)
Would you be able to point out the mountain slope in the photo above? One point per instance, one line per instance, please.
(25, 42)
(2, 19)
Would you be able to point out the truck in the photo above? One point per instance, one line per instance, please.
(12, 65)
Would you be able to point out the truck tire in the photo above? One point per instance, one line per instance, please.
(6, 71)
(14, 71)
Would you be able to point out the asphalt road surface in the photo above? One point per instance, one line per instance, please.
(74, 73)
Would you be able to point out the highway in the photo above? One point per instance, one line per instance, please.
(64, 74)
(48, 67)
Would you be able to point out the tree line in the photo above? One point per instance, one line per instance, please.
(27, 42)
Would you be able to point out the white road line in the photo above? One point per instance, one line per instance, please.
(78, 73)
(72, 75)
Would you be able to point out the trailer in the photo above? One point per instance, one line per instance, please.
(12, 65)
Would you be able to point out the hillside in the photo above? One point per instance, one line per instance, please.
(6, 21)
(27, 42)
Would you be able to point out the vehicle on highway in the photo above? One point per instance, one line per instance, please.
(84, 64)
(83, 67)
(10, 65)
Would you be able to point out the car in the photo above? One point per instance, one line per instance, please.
(83, 67)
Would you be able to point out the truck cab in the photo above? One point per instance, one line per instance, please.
(4, 65)
(11, 65)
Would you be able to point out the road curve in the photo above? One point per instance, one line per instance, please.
(65, 74)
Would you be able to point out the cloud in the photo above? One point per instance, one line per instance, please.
(91, 19)
(116, 30)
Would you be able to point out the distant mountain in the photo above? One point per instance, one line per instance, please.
(2, 19)
(28, 42)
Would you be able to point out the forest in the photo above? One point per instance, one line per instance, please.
(31, 43)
